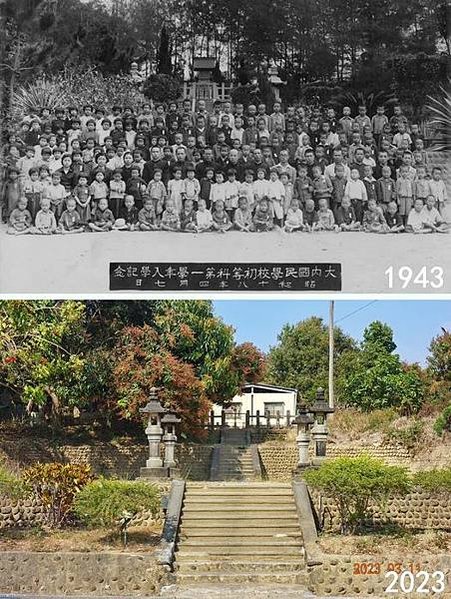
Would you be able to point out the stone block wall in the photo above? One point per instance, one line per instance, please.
(80, 574)
(416, 510)
(336, 575)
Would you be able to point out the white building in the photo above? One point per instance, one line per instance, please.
(269, 400)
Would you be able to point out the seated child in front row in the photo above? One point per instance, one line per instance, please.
(102, 218)
(415, 220)
(294, 220)
(393, 219)
(345, 216)
(70, 221)
(188, 217)
(147, 220)
(326, 219)
(243, 216)
(45, 222)
(263, 220)
(128, 216)
(204, 219)
(221, 220)
(170, 221)
(432, 217)
(373, 218)
(20, 219)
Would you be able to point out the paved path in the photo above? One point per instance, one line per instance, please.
(79, 264)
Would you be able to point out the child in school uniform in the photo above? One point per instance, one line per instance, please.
(345, 216)
(204, 219)
(404, 193)
(393, 219)
(205, 185)
(57, 194)
(176, 187)
(370, 183)
(128, 216)
(70, 222)
(373, 218)
(170, 220)
(117, 193)
(421, 185)
(385, 188)
(326, 219)
(157, 191)
(218, 190)
(102, 219)
(356, 191)
(246, 189)
(136, 186)
(276, 195)
(45, 222)
(221, 220)
(243, 216)
(415, 220)
(188, 217)
(288, 191)
(263, 219)
(147, 220)
(303, 187)
(437, 188)
(20, 219)
(309, 215)
(432, 217)
(338, 186)
(191, 186)
(231, 189)
(322, 187)
(294, 220)
(33, 190)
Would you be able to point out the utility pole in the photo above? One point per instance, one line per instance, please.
(331, 354)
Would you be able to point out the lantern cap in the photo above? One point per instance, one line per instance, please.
(321, 405)
(170, 418)
(153, 406)
(303, 416)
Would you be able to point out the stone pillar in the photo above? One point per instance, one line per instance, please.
(303, 442)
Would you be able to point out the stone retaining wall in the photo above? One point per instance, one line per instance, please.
(80, 574)
(336, 575)
(279, 459)
(416, 510)
(121, 458)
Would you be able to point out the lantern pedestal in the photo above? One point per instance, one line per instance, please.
(154, 473)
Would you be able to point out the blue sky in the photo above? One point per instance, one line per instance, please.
(414, 322)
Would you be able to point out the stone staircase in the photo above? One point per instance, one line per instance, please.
(237, 533)
(233, 458)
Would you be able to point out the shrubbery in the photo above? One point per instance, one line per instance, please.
(113, 503)
(163, 88)
(11, 486)
(443, 422)
(56, 486)
(434, 480)
(355, 482)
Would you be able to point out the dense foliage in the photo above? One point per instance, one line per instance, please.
(113, 503)
(103, 357)
(56, 486)
(300, 359)
(434, 480)
(11, 485)
(355, 484)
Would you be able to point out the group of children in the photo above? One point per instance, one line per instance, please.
(175, 169)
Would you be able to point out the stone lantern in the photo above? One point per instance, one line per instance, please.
(320, 408)
(154, 409)
(275, 82)
(303, 421)
(169, 422)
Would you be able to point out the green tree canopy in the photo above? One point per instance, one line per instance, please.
(378, 378)
(301, 357)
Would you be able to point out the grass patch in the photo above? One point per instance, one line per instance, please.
(355, 422)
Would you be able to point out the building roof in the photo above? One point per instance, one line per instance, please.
(270, 387)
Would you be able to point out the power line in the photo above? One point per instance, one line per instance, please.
(355, 311)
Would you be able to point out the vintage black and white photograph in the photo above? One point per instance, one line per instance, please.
(146, 143)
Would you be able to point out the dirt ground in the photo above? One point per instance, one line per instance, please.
(430, 542)
(140, 539)
(79, 264)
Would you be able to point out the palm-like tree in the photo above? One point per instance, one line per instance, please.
(439, 109)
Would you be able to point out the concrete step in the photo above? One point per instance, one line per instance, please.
(186, 567)
(234, 499)
(250, 578)
(217, 485)
(269, 508)
(197, 557)
(188, 530)
(219, 552)
(199, 522)
(240, 491)
(228, 542)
